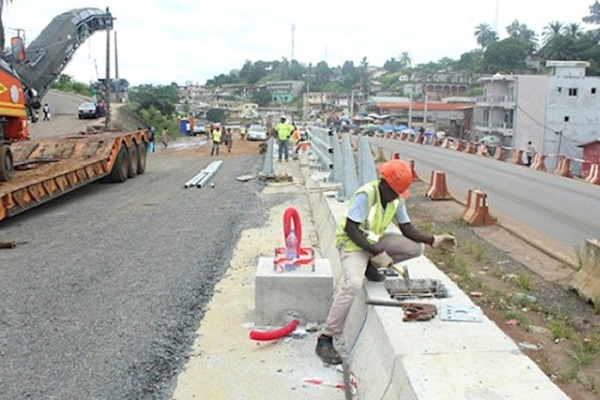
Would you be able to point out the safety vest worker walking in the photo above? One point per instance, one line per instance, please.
(216, 140)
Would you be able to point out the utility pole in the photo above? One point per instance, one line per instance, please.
(116, 58)
(293, 29)
(107, 107)
(410, 104)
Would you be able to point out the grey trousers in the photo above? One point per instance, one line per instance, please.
(354, 263)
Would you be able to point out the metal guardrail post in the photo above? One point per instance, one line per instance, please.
(350, 181)
(366, 165)
(268, 163)
(338, 164)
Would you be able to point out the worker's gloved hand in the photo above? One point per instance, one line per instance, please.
(444, 240)
(381, 260)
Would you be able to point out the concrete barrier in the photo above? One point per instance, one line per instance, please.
(437, 187)
(445, 143)
(482, 150)
(563, 167)
(438, 359)
(517, 157)
(538, 162)
(500, 153)
(476, 212)
(305, 294)
(395, 155)
(587, 280)
(459, 145)
(594, 175)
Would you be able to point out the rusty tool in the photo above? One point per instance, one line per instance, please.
(406, 275)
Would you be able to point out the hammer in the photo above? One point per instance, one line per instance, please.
(405, 274)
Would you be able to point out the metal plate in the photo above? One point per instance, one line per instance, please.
(400, 289)
(464, 313)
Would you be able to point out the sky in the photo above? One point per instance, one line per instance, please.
(191, 41)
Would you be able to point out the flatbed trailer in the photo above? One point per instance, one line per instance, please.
(45, 169)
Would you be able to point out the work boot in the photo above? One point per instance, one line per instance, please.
(326, 351)
(373, 274)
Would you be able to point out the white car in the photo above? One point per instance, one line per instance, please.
(257, 132)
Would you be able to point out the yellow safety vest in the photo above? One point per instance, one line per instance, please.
(217, 135)
(377, 219)
(284, 130)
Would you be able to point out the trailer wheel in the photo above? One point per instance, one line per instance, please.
(6, 163)
(142, 151)
(120, 167)
(132, 167)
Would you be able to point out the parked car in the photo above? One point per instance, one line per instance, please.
(257, 132)
(87, 110)
(199, 128)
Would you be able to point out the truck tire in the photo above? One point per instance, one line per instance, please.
(6, 163)
(142, 152)
(120, 167)
(134, 159)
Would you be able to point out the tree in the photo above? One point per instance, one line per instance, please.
(322, 75)
(163, 98)
(364, 78)
(2, 37)
(522, 33)
(405, 60)
(573, 29)
(471, 61)
(216, 115)
(392, 65)
(262, 97)
(551, 31)
(485, 35)
(594, 17)
(506, 56)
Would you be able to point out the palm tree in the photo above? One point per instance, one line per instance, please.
(553, 30)
(2, 40)
(573, 30)
(485, 35)
(405, 60)
(522, 33)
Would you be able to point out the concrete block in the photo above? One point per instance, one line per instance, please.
(303, 292)
(587, 279)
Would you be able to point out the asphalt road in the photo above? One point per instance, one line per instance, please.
(103, 299)
(564, 210)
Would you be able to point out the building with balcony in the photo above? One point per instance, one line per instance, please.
(557, 112)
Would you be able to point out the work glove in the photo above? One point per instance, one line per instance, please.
(444, 240)
(381, 260)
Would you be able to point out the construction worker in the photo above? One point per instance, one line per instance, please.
(365, 246)
(242, 131)
(284, 133)
(216, 140)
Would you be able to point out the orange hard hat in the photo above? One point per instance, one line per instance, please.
(398, 175)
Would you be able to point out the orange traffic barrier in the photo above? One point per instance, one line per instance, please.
(538, 162)
(470, 148)
(459, 145)
(446, 143)
(482, 150)
(563, 167)
(517, 157)
(395, 155)
(411, 162)
(593, 175)
(476, 212)
(500, 154)
(435, 141)
(437, 187)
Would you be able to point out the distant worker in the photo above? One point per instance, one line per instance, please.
(46, 110)
(284, 132)
(229, 139)
(301, 142)
(530, 152)
(365, 246)
(216, 140)
(165, 137)
(151, 134)
(94, 95)
(243, 131)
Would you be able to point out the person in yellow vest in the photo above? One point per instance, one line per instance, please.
(284, 132)
(365, 246)
(216, 140)
(243, 132)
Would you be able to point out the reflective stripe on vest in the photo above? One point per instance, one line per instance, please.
(217, 135)
(377, 220)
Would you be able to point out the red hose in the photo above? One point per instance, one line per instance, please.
(291, 214)
(275, 334)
